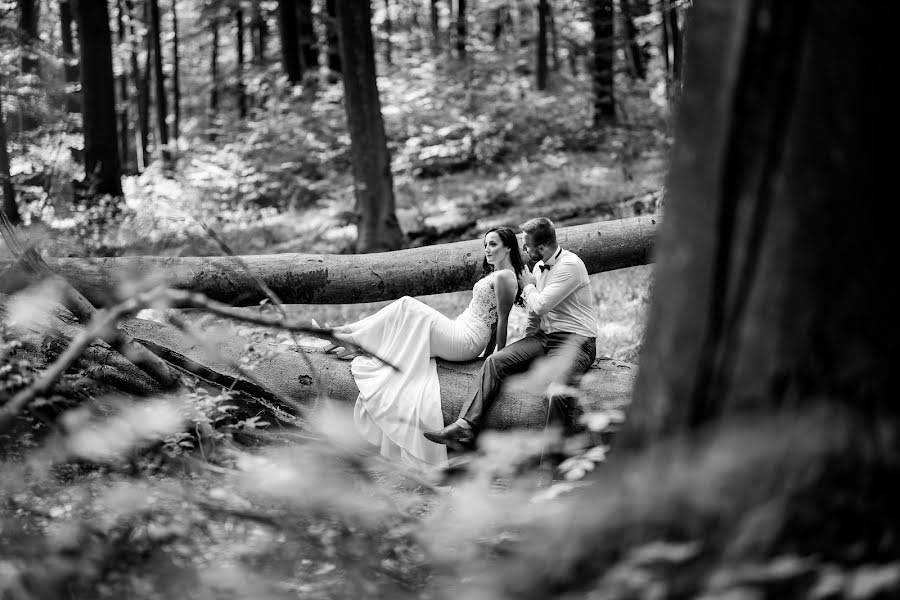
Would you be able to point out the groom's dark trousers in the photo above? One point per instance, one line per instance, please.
(576, 354)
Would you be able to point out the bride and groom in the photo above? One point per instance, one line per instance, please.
(400, 411)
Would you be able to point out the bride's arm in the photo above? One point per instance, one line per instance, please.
(505, 286)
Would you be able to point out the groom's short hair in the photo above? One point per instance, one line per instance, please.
(541, 231)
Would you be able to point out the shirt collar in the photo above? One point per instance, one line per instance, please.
(552, 260)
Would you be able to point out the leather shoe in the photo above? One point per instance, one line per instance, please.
(454, 437)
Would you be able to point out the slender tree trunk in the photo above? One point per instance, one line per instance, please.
(29, 17)
(145, 95)
(70, 61)
(374, 185)
(258, 33)
(214, 68)
(290, 49)
(435, 28)
(98, 99)
(602, 59)
(176, 76)
(388, 27)
(241, 89)
(332, 37)
(159, 82)
(664, 40)
(541, 70)
(124, 151)
(9, 206)
(554, 37)
(461, 29)
(637, 68)
(138, 79)
(675, 35)
(309, 46)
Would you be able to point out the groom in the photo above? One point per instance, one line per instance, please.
(561, 324)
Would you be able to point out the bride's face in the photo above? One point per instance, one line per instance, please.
(494, 250)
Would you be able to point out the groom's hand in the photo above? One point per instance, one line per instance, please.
(525, 278)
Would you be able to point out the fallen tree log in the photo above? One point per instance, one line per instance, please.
(286, 375)
(340, 279)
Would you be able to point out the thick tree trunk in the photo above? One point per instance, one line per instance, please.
(332, 36)
(541, 71)
(290, 43)
(309, 46)
(98, 99)
(241, 89)
(378, 229)
(9, 206)
(176, 76)
(637, 68)
(285, 375)
(334, 279)
(602, 61)
(461, 29)
(70, 61)
(159, 84)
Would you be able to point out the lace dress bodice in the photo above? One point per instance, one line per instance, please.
(483, 306)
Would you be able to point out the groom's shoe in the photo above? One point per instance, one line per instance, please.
(454, 436)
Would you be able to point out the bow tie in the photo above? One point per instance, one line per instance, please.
(545, 267)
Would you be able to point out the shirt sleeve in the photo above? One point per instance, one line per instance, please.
(563, 281)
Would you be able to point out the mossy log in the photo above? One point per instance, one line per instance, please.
(340, 279)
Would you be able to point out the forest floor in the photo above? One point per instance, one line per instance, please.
(229, 504)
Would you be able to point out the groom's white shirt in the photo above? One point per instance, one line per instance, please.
(561, 300)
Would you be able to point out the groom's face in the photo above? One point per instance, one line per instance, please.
(534, 251)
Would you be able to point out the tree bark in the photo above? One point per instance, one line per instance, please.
(378, 229)
(435, 28)
(98, 99)
(283, 375)
(176, 76)
(332, 36)
(461, 29)
(159, 84)
(336, 279)
(290, 49)
(10, 208)
(677, 45)
(29, 17)
(541, 71)
(602, 61)
(70, 62)
(309, 46)
(241, 89)
(637, 69)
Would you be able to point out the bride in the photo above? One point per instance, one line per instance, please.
(394, 408)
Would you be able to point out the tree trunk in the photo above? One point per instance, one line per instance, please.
(98, 99)
(290, 49)
(141, 91)
(70, 62)
(337, 279)
(9, 206)
(664, 41)
(332, 37)
(675, 36)
(602, 63)
(388, 27)
(124, 151)
(145, 96)
(309, 46)
(767, 297)
(637, 68)
(543, 9)
(282, 375)
(378, 229)
(258, 33)
(241, 89)
(214, 68)
(554, 37)
(29, 17)
(461, 29)
(176, 76)
(435, 28)
(159, 82)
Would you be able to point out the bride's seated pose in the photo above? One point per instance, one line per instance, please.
(395, 408)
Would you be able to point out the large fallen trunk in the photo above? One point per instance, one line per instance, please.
(339, 279)
(286, 375)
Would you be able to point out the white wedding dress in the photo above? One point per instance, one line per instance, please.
(395, 408)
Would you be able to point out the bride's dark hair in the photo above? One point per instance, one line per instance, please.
(508, 238)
